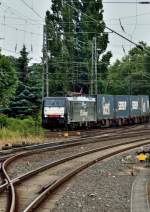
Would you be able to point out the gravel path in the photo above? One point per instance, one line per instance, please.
(105, 187)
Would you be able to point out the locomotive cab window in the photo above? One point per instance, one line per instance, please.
(54, 103)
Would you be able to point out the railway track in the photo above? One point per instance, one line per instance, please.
(49, 134)
(4, 154)
(48, 189)
(81, 141)
(84, 144)
(56, 174)
(84, 156)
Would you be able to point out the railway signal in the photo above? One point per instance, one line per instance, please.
(141, 157)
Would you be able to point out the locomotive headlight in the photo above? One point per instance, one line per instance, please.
(46, 109)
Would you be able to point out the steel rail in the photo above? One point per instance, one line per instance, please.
(8, 180)
(40, 146)
(58, 162)
(81, 142)
(3, 186)
(85, 140)
(21, 147)
(70, 144)
(33, 172)
(11, 187)
(36, 202)
(100, 131)
(24, 154)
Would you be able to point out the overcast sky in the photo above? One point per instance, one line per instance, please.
(20, 25)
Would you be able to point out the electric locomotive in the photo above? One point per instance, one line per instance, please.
(54, 112)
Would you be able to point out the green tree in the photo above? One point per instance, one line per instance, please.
(29, 91)
(35, 85)
(22, 65)
(71, 27)
(21, 104)
(53, 30)
(131, 74)
(8, 81)
(93, 26)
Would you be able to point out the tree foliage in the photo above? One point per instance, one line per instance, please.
(28, 94)
(70, 28)
(8, 81)
(131, 74)
(22, 65)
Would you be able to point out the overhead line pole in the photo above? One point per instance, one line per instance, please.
(45, 63)
(92, 70)
(95, 65)
(47, 74)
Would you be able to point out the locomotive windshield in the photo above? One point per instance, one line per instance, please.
(54, 103)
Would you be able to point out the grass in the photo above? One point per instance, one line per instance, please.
(15, 130)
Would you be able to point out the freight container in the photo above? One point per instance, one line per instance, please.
(135, 106)
(144, 104)
(81, 109)
(105, 107)
(122, 106)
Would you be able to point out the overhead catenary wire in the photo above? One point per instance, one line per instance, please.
(21, 30)
(34, 59)
(16, 15)
(126, 2)
(17, 52)
(136, 20)
(26, 19)
(130, 24)
(128, 17)
(32, 9)
(38, 22)
(120, 2)
(68, 32)
(41, 34)
(15, 12)
(113, 31)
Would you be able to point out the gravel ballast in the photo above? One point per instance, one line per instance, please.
(28, 163)
(104, 187)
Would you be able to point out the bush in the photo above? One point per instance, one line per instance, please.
(3, 121)
(22, 127)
